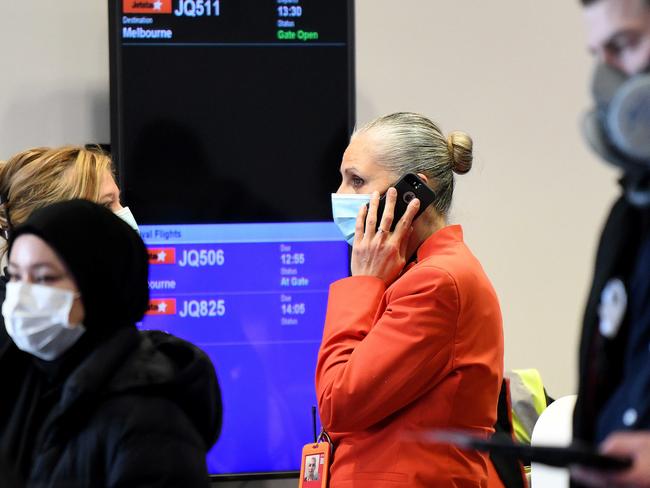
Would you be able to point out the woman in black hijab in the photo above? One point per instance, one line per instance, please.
(88, 400)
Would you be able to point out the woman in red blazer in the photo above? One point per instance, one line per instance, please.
(413, 339)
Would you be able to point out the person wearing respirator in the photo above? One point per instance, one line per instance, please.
(613, 406)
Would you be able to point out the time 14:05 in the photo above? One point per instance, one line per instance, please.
(293, 309)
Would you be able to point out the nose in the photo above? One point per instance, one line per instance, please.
(606, 56)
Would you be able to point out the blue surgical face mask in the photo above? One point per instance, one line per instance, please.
(345, 209)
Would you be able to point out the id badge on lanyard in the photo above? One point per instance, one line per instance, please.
(315, 465)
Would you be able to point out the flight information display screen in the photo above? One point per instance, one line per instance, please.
(253, 296)
(231, 110)
(229, 119)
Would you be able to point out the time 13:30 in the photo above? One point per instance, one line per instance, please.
(290, 11)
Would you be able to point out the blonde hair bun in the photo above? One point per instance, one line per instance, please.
(460, 150)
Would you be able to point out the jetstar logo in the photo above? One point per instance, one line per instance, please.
(147, 6)
(162, 306)
(162, 255)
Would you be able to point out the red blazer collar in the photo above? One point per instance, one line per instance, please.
(440, 239)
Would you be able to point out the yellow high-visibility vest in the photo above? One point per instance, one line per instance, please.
(528, 401)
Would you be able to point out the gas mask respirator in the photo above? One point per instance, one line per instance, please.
(618, 127)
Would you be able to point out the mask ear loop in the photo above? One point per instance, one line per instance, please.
(5, 232)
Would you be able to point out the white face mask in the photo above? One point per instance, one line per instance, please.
(125, 214)
(37, 319)
(345, 208)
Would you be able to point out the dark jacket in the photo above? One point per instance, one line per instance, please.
(606, 364)
(142, 410)
(119, 407)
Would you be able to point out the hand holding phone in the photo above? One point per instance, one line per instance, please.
(384, 227)
(408, 187)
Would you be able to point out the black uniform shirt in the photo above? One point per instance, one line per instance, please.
(629, 406)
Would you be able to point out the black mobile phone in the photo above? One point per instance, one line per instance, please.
(408, 187)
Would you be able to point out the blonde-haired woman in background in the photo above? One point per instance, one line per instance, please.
(413, 339)
(40, 176)
(33, 179)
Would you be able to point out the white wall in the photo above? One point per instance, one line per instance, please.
(53, 73)
(512, 73)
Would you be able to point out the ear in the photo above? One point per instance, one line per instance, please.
(423, 178)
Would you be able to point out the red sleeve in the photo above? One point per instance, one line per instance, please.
(367, 371)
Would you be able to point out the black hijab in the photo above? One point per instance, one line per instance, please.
(109, 263)
(106, 257)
